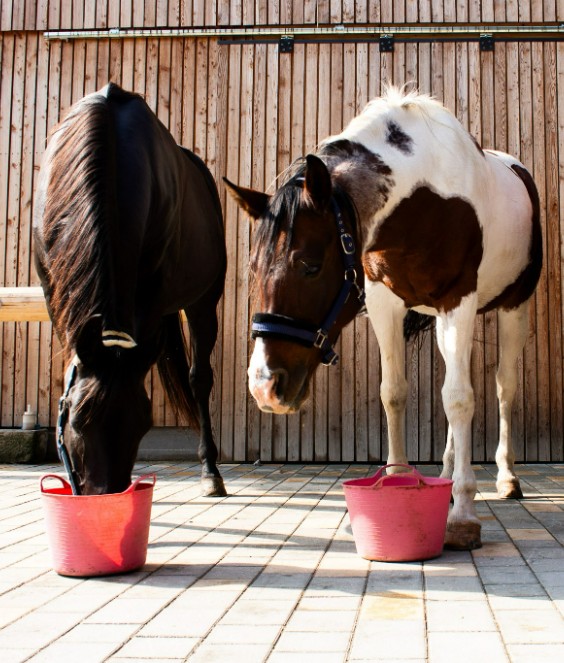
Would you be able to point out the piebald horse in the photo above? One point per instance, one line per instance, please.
(406, 211)
(128, 232)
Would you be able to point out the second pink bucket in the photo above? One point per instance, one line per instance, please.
(398, 517)
(93, 535)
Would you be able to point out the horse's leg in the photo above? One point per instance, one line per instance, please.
(386, 313)
(456, 328)
(202, 320)
(512, 326)
(448, 456)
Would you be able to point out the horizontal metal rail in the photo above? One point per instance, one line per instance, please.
(414, 32)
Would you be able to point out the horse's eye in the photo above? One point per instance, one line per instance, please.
(310, 268)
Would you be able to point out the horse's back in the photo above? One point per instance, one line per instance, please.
(154, 213)
(178, 205)
(431, 155)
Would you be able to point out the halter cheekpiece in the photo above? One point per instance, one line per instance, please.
(274, 325)
(61, 422)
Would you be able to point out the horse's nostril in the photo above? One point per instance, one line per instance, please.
(280, 378)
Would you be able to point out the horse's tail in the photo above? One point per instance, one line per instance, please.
(414, 323)
(174, 370)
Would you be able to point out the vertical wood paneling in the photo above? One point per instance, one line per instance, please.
(553, 247)
(249, 111)
(8, 54)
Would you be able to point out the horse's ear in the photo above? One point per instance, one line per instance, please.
(253, 202)
(89, 346)
(317, 186)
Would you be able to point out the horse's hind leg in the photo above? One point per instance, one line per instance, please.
(202, 319)
(512, 326)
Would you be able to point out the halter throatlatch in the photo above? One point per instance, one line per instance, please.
(61, 421)
(274, 325)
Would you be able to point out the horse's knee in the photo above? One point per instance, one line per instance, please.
(394, 396)
(459, 405)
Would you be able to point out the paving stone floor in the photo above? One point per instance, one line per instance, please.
(271, 574)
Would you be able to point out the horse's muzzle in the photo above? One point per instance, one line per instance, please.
(268, 388)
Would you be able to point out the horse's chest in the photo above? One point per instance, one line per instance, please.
(427, 251)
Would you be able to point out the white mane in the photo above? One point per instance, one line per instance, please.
(399, 105)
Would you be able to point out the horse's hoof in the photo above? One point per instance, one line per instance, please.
(509, 489)
(463, 536)
(213, 487)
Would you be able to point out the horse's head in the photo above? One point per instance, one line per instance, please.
(307, 278)
(105, 410)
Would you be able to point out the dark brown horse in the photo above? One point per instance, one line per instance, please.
(128, 233)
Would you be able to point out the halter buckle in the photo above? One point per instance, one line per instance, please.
(62, 405)
(331, 358)
(347, 242)
(321, 338)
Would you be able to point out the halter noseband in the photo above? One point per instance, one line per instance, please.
(274, 325)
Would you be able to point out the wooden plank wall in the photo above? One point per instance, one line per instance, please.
(248, 111)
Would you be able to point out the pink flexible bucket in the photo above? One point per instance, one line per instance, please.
(93, 535)
(398, 517)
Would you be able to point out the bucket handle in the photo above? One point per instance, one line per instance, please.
(65, 483)
(379, 479)
(134, 485)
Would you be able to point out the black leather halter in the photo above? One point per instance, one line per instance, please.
(274, 325)
(61, 422)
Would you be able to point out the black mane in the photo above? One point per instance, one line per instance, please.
(79, 198)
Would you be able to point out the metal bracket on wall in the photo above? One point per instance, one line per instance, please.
(286, 44)
(486, 42)
(386, 43)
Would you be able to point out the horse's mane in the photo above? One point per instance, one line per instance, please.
(396, 101)
(76, 220)
(401, 97)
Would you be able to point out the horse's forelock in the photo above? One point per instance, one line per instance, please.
(273, 233)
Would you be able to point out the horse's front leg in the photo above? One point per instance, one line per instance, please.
(386, 313)
(512, 336)
(456, 329)
(202, 320)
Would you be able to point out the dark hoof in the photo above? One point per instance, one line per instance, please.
(509, 489)
(463, 536)
(213, 487)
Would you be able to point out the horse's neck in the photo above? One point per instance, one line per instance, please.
(365, 187)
